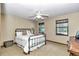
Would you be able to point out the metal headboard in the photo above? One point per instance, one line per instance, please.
(23, 30)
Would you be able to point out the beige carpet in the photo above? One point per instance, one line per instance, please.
(50, 49)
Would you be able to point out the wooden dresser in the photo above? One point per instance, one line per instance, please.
(73, 46)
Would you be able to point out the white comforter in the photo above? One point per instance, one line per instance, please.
(22, 41)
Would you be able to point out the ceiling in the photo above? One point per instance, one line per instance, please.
(52, 9)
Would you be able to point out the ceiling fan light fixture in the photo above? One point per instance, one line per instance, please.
(38, 16)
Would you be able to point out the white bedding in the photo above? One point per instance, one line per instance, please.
(27, 41)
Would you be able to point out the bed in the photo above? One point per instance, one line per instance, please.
(28, 41)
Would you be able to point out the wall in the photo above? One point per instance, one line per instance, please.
(0, 26)
(10, 23)
(50, 27)
(0, 21)
(36, 27)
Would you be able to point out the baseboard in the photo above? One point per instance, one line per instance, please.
(1, 46)
(56, 42)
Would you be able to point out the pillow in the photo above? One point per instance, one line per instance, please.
(18, 33)
(24, 33)
(29, 32)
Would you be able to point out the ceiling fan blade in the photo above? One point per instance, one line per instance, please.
(38, 16)
(44, 15)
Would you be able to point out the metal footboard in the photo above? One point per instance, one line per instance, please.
(36, 42)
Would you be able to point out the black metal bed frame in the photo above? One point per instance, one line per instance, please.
(24, 29)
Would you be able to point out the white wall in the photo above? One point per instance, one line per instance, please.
(51, 27)
(0, 22)
(9, 23)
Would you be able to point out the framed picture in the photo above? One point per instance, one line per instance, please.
(62, 27)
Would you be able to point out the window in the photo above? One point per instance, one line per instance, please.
(41, 28)
(62, 27)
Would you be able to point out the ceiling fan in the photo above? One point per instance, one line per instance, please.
(39, 16)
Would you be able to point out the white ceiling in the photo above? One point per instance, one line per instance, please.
(26, 10)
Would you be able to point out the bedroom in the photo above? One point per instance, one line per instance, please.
(16, 15)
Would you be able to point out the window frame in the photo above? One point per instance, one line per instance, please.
(63, 21)
(39, 27)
